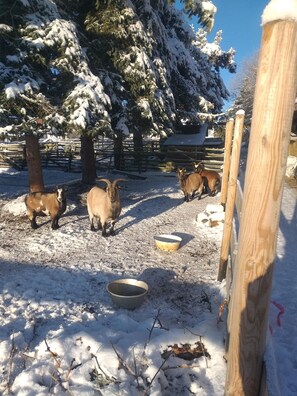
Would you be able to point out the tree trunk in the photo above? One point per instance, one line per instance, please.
(138, 148)
(118, 152)
(34, 164)
(88, 160)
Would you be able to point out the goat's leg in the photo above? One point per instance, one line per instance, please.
(99, 225)
(92, 223)
(104, 233)
(112, 231)
(200, 191)
(55, 224)
(34, 225)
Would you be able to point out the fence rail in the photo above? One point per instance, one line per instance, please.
(234, 237)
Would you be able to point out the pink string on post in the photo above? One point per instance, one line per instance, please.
(281, 312)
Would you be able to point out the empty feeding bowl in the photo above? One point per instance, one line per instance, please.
(168, 242)
(127, 293)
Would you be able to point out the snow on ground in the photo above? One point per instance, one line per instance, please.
(55, 307)
(60, 332)
(282, 346)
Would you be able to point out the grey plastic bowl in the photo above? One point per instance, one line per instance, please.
(127, 293)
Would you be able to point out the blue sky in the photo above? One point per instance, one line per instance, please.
(240, 21)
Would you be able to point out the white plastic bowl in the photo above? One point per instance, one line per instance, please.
(168, 242)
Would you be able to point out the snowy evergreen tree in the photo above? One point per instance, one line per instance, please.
(243, 89)
(47, 75)
(107, 67)
(204, 10)
(81, 62)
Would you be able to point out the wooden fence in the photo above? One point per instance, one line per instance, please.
(12, 155)
(65, 155)
(211, 153)
(233, 213)
(273, 109)
(231, 267)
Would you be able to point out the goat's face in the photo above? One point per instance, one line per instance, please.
(112, 191)
(181, 172)
(198, 167)
(61, 194)
(195, 166)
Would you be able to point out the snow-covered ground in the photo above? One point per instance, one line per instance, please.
(60, 332)
(282, 337)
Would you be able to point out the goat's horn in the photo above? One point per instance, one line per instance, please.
(108, 182)
(118, 180)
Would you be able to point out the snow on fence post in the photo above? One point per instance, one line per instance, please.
(232, 185)
(268, 148)
(227, 159)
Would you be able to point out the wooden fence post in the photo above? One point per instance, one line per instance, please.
(232, 184)
(227, 159)
(268, 148)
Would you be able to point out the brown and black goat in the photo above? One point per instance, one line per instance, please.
(211, 178)
(51, 204)
(104, 205)
(190, 183)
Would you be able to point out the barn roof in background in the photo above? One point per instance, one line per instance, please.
(190, 139)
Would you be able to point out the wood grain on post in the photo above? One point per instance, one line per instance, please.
(227, 159)
(232, 185)
(268, 148)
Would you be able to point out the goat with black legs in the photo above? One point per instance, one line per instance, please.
(190, 184)
(211, 178)
(51, 204)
